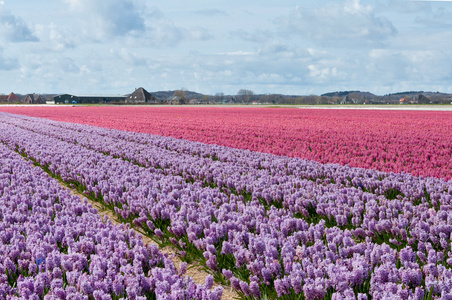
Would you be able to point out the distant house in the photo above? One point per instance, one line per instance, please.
(140, 95)
(34, 99)
(176, 100)
(230, 100)
(350, 99)
(86, 99)
(193, 101)
(13, 98)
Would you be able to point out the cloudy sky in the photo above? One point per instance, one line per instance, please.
(210, 46)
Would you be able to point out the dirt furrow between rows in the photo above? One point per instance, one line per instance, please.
(194, 271)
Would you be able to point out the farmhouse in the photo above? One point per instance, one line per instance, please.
(11, 98)
(34, 99)
(140, 95)
(176, 100)
(86, 99)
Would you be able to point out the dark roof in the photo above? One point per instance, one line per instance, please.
(33, 97)
(141, 94)
(91, 96)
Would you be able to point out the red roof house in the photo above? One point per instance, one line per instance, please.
(13, 98)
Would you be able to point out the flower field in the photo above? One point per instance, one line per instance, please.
(55, 247)
(416, 142)
(271, 226)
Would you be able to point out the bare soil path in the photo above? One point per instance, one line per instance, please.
(194, 271)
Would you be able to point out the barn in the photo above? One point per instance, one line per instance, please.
(11, 98)
(87, 99)
(140, 95)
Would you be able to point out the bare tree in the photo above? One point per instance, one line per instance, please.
(180, 93)
(218, 98)
(244, 95)
(205, 99)
(311, 99)
(272, 98)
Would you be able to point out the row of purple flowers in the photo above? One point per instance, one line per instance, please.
(269, 225)
(53, 246)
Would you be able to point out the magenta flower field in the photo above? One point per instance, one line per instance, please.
(326, 205)
(416, 142)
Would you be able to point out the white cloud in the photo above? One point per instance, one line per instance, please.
(106, 19)
(13, 28)
(239, 52)
(198, 34)
(55, 38)
(403, 7)
(354, 7)
(7, 64)
(129, 57)
(322, 73)
(439, 18)
(257, 36)
(131, 22)
(211, 12)
(423, 66)
(346, 23)
(163, 32)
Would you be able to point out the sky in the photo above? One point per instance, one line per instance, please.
(287, 47)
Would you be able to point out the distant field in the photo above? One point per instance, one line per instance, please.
(384, 107)
(416, 142)
(420, 107)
